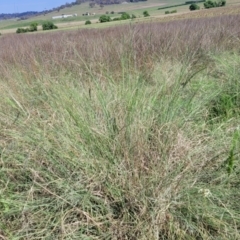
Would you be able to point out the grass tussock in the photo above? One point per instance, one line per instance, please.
(125, 133)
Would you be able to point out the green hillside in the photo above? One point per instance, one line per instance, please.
(132, 8)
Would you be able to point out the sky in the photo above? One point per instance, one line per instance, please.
(14, 6)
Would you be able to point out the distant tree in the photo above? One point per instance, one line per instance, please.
(48, 26)
(91, 4)
(22, 30)
(33, 27)
(112, 12)
(210, 4)
(19, 30)
(146, 14)
(125, 16)
(133, 16)
(101, 6)
(193, 7)
(104, 18)
(88, 22)
(222, 3)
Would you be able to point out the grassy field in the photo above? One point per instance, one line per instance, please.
(129, 132)
(152, 6)
(83, 8)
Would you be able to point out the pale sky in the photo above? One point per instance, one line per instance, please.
(14, 6)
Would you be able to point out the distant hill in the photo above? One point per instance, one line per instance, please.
(28, 14)
(23, 15)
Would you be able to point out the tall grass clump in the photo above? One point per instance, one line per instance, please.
(122, 133)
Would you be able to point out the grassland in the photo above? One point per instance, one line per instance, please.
(129, 132)
(152, 6)
(135, 8)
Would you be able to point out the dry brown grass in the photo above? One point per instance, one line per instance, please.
(139, 45)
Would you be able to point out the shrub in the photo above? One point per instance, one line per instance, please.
(33, 27)
(146, 14)
(193, 7)
(212, 4)
(88, 22)
(48, 26)
(133, 16)
(167, 12)
(174, 11)
(107, 12)
(116, 19)
(22, 30)
(112, 12)
(222, 3)
(125, 16)
(104, 18)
